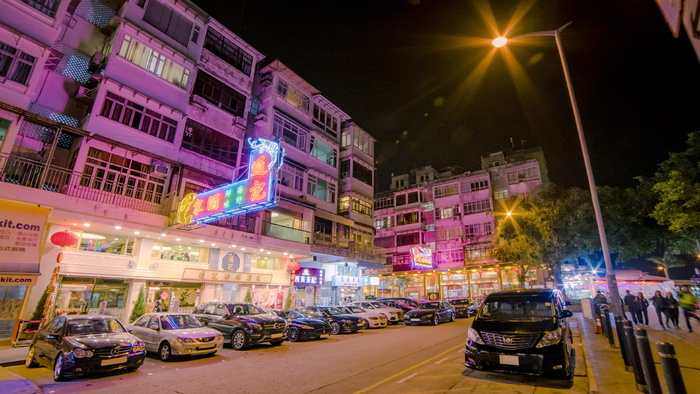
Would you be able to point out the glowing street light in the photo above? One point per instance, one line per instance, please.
(610, 276)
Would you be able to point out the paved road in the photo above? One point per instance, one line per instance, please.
(397, 358)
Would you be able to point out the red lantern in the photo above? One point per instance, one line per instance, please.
(64, 238)
(293, 266)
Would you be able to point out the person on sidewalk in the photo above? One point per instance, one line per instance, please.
(672, 310)
(631, 305)
(688, 301)
(600, 298)
(642, 305)
(661, 306)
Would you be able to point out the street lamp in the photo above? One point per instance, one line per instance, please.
(610, 276)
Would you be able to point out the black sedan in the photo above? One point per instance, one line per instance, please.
(465, 307)
(339, 321)
(302, 328)
(242, 324)
(81, 344)
(431, 312)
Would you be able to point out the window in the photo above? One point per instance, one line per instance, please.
(344, 204)
(228, 51)
(293, 96)
(364, 143)
(208, 142)
(138, 117)
(407, 218)
(292, 175)
(408, 239)
(523, 175)
(345, 139)
(169, 22)
(477, 206)
(119, 175)
(328, 122)
(219, 94)
(195, 34)
(361, 173)
(478, 253)
(290, 131)
(345, 168)
(449, 234)
(402, 262)
(266, 263)
(400, 200)
(478, 230)
(323, 152)
(385, 242)
(104, 243)
(46, 7)
(15, 65)
(446, 190)
(362, 207)
(154, 61)
(474, 186)
(412, 197)
(175, 252)
(447, 212)
(321, 188)
(385, 222)
(451, 256)
(384, 202)
(498, 194)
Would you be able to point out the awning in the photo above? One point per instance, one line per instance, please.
(334, 218)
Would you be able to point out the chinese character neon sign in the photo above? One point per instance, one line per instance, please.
(421, 257)
(257, 191)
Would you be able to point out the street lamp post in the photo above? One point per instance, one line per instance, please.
(615, 300)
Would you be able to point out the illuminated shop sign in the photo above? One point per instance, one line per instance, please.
(309, 277)
(258, 191)
(421, 257)
(348, 281)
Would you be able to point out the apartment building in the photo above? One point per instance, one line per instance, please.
(438, 227)
(111, 112)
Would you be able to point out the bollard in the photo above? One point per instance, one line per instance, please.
(647, 360)
(619, 325)
(608, 326)
(671, 368)
(598, 326)
(634, 357)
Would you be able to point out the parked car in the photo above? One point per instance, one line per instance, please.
(241, 324)
(340, 322)
(522, 330)
(176, 334)
(302, 328)
(465, 307)
(406, 300)
(80, 344)
(374, 319)
(393, 315)
(431, 312)
(397, 304)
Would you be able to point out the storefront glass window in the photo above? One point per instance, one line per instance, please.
(266, 263)
(168, 251)
(104, 243)
(11, 298)
(84, 295)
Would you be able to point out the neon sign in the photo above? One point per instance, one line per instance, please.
(421, 257)
(258, 191)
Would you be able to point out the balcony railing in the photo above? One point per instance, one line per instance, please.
(327, 243)
(239, 223)
(282, 232)
(37, 175)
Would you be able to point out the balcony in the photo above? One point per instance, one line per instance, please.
(238, 223)
(329, 244)
(283, 232)
(38, 175)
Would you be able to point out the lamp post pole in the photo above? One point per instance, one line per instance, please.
(615, 300)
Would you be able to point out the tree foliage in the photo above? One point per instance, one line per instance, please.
(139, 306)
(41, 304)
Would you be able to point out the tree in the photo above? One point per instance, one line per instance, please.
(41, 304)
(139, 306)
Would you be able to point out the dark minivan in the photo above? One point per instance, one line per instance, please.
(523, 330)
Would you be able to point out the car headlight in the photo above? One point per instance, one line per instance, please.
(428, 315)
(305, 327)
(138, 347)
(550, 338)
(255, 326)
(219, 337)
(82, 353)
(341, 321)
(186, 340)
(474, 336)
(373, 318)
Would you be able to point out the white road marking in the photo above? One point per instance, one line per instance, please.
(406, 378)
(438, 362)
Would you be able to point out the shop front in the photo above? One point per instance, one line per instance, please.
(183, 294)
(83, 295)
(307, 286)
(346, 289)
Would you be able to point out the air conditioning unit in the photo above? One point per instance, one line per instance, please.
(199, 100)
(95, 64)
(237, 120)
(266, 79)
(158, 167)
(84, 94)
(345, 174)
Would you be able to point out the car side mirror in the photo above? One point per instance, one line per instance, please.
(54, 336)
(566, 313)
(153, 326)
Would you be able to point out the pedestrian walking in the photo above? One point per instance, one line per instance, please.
(157, 307)
(688, 302)
(661, 306)
(673, 311)
(631, 305)
(642, 305)
(600, 298)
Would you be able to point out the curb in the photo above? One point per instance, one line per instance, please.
(592, 383)
(11, 383)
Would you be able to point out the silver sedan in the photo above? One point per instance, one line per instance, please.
(176, 334)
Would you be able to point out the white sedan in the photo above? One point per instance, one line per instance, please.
(374, 319)
(394, 315)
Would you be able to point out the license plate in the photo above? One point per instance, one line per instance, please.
(277, 335)
(508, 360)
(414, 319)
(113, 361)
(206, 347)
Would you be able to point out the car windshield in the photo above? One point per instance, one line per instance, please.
(289, 314)
(178, 322)
(429, 305)
(333, 311)
(242, 309)
(93, 326)
(517, 308)
(355, 309)
(460, 302)
(377, 304)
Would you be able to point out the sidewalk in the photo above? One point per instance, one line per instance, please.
(10, 382)
(610, 375)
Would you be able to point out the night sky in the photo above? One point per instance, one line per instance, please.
(416, 75)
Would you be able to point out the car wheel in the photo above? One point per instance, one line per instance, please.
(239, 340)
(335, 328)
(293, 334)
(29, 361)
(453, 317)
(435, 320)
(58, 373)
(165, 352)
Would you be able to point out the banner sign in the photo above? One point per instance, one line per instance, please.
(22, 229)
(225, 276)
(421, 257)
(258, 191)
(348, 281)
(309, 276)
